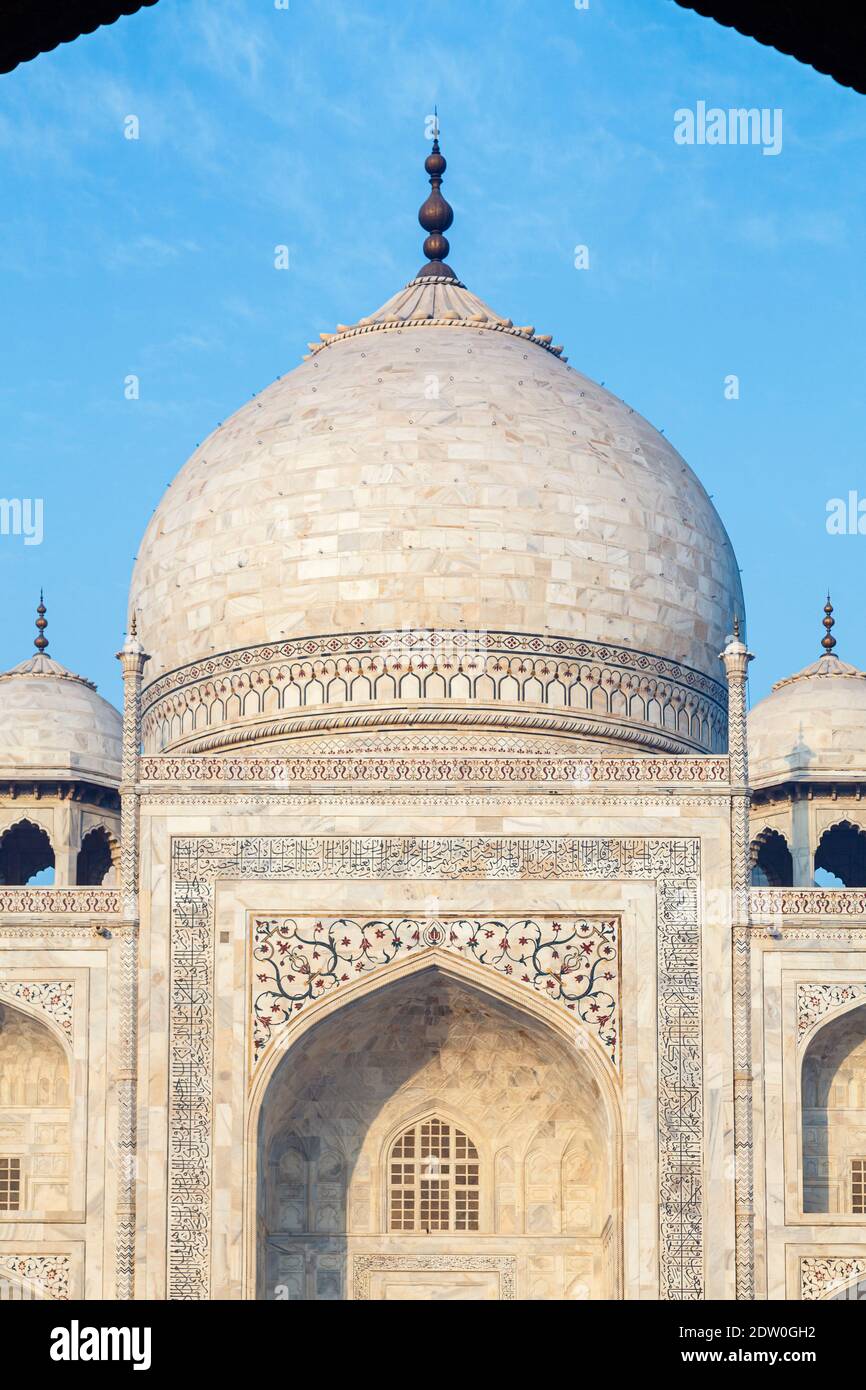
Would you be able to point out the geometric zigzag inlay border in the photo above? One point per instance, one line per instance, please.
(198, 863)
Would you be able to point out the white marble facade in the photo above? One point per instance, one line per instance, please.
(440, 827)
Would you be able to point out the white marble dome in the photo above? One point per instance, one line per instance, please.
(54, 726)
(811, 727)
(434, 482)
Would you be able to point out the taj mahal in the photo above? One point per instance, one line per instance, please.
(435, 922)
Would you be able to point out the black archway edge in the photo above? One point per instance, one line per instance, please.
(31, 27)
(830, 37)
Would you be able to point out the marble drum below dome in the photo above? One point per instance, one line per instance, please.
(435, 524)
(445, 683)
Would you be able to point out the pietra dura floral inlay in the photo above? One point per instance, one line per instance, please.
(814, 1001)
(46, 1274)
(572, 961)
(53, 998)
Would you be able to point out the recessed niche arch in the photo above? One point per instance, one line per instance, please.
(35, 1114)
(97, 858)
(833, 1102)
(426, 1051)
(842, 852)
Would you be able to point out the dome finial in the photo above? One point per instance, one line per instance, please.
(40, 641)
(436, 215)
(828, 642)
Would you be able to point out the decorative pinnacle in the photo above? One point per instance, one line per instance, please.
(40, 641)
(436, 215)
(828, 641)
(736, 627)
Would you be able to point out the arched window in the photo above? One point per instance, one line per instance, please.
(25, 851)
(95, 859)
(772, 865)
(842, 852)
(433, 1179)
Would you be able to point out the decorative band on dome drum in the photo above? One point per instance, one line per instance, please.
(617, 686)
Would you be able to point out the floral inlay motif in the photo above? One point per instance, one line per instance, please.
(48, 1274)
(53, 998)
(572, 961)
(814, 1001)
(820, 1277)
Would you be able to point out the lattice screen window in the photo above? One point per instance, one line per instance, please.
(858, 1186)
(10, 1184)
(433, 1179)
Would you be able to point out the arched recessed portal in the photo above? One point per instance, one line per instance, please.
(25, 851)
(95, 862)
(841, 852)
(834, 1116)
(34, 1117)
(505, 1139)
(772, 864)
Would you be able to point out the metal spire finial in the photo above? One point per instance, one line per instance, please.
(436, 215)
(736, 627)
(40, 641)
(828, 641)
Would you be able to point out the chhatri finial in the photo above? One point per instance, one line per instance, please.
(40, 641)
(736, 627)
(828, 641)
(436, 215)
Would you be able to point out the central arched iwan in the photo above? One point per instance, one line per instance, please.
(505, 1134)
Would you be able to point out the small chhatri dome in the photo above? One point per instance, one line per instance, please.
(812, 726)
(434, 529)
(53, 724)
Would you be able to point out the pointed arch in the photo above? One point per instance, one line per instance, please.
(477, 976)
(306, 1102)
(98, 857)
(772, 861)
(833, 1113)
(841, 851)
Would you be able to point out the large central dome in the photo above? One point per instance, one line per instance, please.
(435, 521)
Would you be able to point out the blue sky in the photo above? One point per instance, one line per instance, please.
(261, 126)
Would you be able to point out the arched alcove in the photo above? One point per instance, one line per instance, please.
(842, 852)
(772, 864)
(96, 858)
(834, 1116)
(25, 851)
(34, 1117)
(494, 1133)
